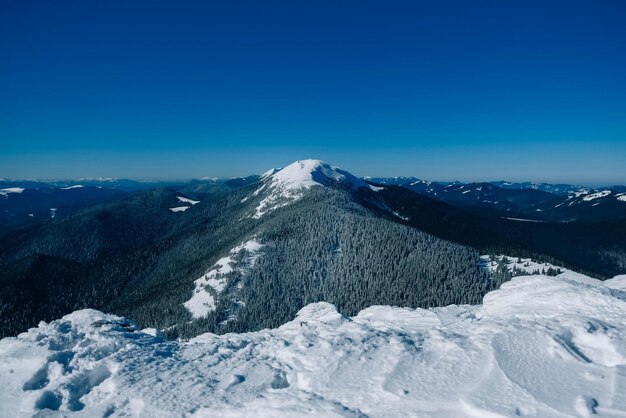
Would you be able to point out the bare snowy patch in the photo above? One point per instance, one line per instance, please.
(212, 283)
(597, 195)
(6, 192)
(180, 208)
(189, 203)
(579, 193)
(187, 200)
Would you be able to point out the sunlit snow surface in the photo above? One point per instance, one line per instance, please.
(286, 185)
(540, 346)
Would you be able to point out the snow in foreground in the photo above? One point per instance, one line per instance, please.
(539, 346)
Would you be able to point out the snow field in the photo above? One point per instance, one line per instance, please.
(539, 346)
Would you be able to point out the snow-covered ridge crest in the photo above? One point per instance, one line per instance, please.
(287, 184)
(539, 346)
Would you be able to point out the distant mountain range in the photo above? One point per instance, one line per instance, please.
(243, 254)
(28, 202)
(32, 201)
(560, 189)
(534, 201)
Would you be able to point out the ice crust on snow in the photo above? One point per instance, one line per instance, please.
(539, 346)
(213, 282)
(287, 185)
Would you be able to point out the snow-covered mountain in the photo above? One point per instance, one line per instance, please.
(307, 173)
(252, 253)
(539, 346)
(325, 235)
(286, 185)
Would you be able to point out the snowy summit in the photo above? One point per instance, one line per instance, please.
(307, 173)
(287, 184)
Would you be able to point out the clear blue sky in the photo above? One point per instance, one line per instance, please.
(469, 90)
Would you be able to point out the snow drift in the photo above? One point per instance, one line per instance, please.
(540, 346)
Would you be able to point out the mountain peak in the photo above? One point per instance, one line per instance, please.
(299, 174)
(303, 174)
(287, 184)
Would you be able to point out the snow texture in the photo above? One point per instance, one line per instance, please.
(539, 346)
(212, 283)
(287, 185)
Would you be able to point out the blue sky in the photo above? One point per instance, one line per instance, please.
(517, 90)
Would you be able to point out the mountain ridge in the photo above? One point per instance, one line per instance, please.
(323, 233)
